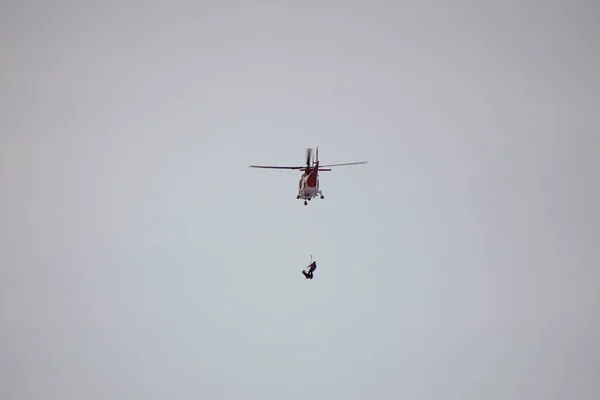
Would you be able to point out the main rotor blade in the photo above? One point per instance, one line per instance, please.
(339, 165)
(274, 167)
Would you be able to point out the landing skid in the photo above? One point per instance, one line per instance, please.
(319, 194)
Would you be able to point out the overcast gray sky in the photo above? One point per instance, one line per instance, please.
(142, 259)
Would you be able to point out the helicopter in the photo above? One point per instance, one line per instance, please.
(308, 186)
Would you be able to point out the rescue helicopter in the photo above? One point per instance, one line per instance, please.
(308, 186)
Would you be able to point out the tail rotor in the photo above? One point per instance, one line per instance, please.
(309, 158)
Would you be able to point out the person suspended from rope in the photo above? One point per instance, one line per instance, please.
(308, 272)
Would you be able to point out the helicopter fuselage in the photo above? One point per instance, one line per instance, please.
(308, 186)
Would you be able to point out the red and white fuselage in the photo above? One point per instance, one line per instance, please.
(308, 187)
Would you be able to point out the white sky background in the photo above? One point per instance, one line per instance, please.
(140, 257)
